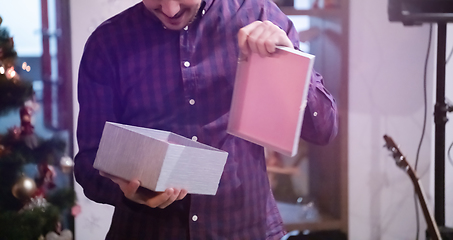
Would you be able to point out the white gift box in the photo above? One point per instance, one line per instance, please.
(159, 159)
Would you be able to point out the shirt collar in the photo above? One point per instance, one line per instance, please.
(207, 4)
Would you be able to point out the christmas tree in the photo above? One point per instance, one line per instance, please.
(31, 207)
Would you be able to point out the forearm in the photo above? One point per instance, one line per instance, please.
(94, 112)
(95, 187)
(98, 104)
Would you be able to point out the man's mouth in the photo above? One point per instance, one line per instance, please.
(175, 20)
(178, 15)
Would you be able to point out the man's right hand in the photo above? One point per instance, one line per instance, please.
(132, 191)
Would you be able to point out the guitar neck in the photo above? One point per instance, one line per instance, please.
(430, 221)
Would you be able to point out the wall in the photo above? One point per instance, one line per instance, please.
(94, 220)
(386, 97)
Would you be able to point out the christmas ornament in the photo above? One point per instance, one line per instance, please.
(76, 210)
(45, 179)
(24, 189)
(25, 120)
(35, 202)
(1, 20)
(59, 234)
(64, 235)
(66, 164)
(27, 128)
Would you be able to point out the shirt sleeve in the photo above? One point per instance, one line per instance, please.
(98, 104)
(320, 124)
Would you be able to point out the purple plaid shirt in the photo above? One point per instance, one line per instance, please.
(134, 71)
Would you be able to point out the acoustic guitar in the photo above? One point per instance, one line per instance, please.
(401, 162)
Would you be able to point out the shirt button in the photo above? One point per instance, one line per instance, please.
(194, 218)
(187, 64)
(186, 27)
(194, 138)
(203, 12)
(191, 102)
(315, 114)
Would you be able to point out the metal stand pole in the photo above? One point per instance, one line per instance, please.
(440, 119)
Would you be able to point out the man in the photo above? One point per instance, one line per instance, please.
(170, 65)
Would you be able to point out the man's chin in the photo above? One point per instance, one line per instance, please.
(174, 27)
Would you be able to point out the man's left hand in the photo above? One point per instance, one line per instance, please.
(262, 38)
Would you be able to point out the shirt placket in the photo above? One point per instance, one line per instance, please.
(190, 96)
(188, 77)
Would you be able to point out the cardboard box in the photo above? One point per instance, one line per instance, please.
(159, 159)
(269, 99)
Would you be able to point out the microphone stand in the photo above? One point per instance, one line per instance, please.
(416, 12)
(440, 120)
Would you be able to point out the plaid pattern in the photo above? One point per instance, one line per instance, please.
(134, 71)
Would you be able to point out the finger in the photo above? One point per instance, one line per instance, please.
(160, 198)
(130, 188)
(171, 199)
(118, 180)
(243, 35)
(182, 194)
(256, 37)
(272, 42)
(284, 40)
(277, 38)
(104, 174)
(266, 39)
(115, 179)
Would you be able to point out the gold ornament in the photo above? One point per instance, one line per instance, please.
(24, 189)
(66, 164)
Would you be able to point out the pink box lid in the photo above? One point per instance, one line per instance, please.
(269, 99)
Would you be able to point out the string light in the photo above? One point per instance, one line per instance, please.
(2, 70)
(10, 73)
(26, 67)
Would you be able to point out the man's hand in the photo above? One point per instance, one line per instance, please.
(144, 196)
(262, 38)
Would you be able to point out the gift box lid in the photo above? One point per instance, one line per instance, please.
(269, 99)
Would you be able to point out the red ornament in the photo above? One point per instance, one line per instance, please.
(25, 120)
(46, 175)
